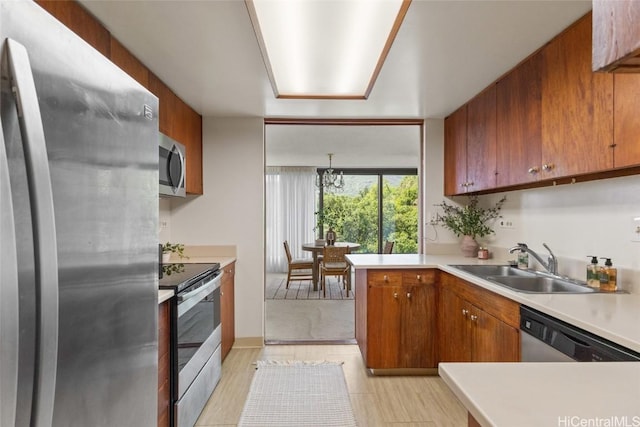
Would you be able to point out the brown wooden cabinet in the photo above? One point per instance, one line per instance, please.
(227, 308)
(163, 364)
(519, 123)
(399, 319)
(470, 145)
(616, 36)
(626, 135)
(124, 59)
(455, 152)
(577, 107)
(476, 325)
(481, 141)
(555, 119)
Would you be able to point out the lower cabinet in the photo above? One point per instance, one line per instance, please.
(227, 308)
(476, 325)
(164, 333)
(399, 318)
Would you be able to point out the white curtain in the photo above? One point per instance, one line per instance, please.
(290, 200)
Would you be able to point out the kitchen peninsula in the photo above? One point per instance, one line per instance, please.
(502, 394)
(611, 316)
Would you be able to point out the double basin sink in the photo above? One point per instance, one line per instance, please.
(527, 281)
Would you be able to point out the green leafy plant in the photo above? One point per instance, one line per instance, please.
(169, 269)
(470, 220)
(177, 248)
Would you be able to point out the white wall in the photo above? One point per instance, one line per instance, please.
(577, 220)
(231, 210)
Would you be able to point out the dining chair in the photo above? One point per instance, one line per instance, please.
(388, 247)
(335, 264)
(299, 268)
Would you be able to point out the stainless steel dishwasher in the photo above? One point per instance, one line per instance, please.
(546, 339)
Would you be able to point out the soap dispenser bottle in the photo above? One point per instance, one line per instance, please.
(593, 278)
(608, 276)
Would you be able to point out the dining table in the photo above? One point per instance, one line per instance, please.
(317, 249)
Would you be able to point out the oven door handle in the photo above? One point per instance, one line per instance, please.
(189, 299)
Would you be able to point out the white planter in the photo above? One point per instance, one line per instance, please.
(166, 257)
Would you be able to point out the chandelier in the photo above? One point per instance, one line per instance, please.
(329, 180)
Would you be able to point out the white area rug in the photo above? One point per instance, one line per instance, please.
(298, 393)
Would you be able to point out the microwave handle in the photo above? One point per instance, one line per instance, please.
(177, 151)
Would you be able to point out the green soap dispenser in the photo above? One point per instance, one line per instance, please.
(593, 279)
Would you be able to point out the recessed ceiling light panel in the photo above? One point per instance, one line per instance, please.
(325, 48)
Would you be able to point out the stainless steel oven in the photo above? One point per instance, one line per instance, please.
(196, 337)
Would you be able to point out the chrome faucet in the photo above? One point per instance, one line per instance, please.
(552, 262)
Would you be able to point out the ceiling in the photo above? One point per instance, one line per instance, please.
(444, 53)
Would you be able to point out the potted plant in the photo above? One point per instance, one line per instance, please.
(169, 248)
(470, 221)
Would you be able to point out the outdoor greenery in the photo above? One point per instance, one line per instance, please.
(355, 217)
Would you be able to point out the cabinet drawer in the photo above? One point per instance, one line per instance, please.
(419, 277)
(384, 277)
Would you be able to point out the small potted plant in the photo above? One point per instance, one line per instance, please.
(169, 248)
(470, 221)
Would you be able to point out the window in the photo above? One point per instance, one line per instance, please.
(375, 205)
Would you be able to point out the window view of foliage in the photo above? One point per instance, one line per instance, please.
(354, 217)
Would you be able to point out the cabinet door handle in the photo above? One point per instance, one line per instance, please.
(547, 167)
(418, 278)
(474, 317)
(408, 295)
(534, 170)
(395, 295)
(386, 278)
(465, 312)
(470, 184)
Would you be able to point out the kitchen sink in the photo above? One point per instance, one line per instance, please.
(494, 270)
(527, 281)
(540, 284)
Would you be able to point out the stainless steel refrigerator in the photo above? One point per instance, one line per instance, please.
(78, 231)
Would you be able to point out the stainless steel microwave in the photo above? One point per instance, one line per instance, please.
(172, 167)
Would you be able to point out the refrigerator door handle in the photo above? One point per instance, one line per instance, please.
(9, 321)
(46, 255)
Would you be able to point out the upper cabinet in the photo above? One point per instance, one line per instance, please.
(177, 119)
(616, 36)
(577, 107)
(455, 152)
(550, 119)
(470, 145)
(481, 141)
(626, 136)
(124, 59)
(519, 123)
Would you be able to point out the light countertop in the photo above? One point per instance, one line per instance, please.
(224, 255)
(164, 294)
(547, 394)
(204, 259)
(615, 317)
